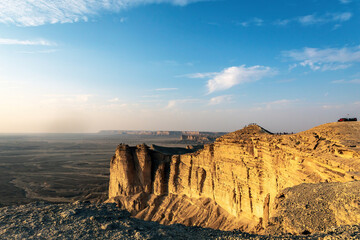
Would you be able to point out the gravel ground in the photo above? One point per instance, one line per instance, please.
(81, 220)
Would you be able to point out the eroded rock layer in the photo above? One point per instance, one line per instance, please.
(232, 183)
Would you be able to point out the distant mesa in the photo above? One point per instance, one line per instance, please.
(250, 179)
(183, 136)
(153, 133)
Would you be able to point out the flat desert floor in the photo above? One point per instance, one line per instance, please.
(61, 167)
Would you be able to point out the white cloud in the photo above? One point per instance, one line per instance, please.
(334, 67)
(345, 1)
(341, 17)
(313, 19)
(41, 42)
(330, 17)
(166, 89)
(220, 99)
(309, 19)
(39, 12)
(292, 66)
(232, 76)
(325, 59)
(252, 22)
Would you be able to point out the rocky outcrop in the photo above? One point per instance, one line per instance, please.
(235, 179)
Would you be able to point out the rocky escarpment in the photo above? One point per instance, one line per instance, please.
(232, 183)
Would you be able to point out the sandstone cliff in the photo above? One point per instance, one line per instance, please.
(232, 183)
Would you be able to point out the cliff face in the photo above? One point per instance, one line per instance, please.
(137, 170)
(232, 183)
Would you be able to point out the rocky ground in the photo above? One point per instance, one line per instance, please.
(81, 220)
(315, 207)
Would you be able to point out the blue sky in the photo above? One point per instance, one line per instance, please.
(84, 66)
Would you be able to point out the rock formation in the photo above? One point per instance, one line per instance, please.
(233, 183)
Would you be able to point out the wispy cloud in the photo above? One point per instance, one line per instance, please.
(345, 1)
(39, 12)
(60, 98)
(286, 80)
(333, 17)
(315, 19)
(338, 106)
(166, 89)
(232, 76)
(220, 99)
(199, 75)
(172, 63)
(113, 100)
(353, 81)
(292, 66)
(282, 22)
(251, 22)
(275, 104)
(40, 52)
(151, 96)
(41, 42)
(325, 59)
(176, 102)
(280, 102)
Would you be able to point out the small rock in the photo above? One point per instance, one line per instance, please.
(107, 226)
(67, 213)
(76, 202)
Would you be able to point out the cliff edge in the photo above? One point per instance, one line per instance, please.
(235, 182)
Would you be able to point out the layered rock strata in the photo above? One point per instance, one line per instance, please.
(232, 183)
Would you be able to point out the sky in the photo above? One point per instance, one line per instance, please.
(210, 65)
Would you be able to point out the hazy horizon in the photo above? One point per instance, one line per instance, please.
(83, 66)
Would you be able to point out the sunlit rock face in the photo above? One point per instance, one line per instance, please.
(232, 183)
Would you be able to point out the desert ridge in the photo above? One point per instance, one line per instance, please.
(238, 182)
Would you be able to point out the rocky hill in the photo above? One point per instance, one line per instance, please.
(238, 181)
